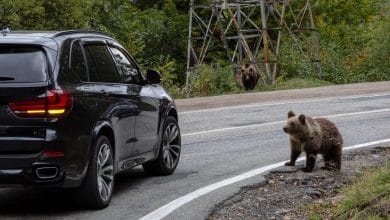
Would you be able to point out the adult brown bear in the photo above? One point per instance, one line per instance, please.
(314, 136)
(249, 76)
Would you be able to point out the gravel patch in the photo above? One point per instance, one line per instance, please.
(286, 189)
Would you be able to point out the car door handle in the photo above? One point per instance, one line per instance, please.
(104, 93)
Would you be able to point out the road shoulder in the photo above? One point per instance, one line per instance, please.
(201, 103)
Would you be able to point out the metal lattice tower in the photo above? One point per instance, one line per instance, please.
(251, 31)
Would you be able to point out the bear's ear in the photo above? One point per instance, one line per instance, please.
(290, 114)
(301, 118)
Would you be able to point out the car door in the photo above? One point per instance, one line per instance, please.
(114, 101)
(147, 120)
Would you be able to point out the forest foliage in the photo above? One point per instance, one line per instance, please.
(353, 36)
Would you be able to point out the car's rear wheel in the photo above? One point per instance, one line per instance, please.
(98, 184)
(169, 151)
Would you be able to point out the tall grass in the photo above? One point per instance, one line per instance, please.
(367, 198)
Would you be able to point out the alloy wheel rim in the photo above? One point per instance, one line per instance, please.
(171, 146)
(105, 172)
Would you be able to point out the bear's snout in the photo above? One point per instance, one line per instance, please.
(285, 129)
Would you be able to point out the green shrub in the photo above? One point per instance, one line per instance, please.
(293, 62)
(212, 80)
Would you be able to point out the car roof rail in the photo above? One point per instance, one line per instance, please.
(4, 31)
(61, 33)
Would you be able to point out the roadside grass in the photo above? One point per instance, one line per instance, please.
(293, 83)
(367, 198)
(202, 90)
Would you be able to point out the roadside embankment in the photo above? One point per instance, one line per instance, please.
(289, 193)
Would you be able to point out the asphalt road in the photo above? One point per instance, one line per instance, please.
(218, 143)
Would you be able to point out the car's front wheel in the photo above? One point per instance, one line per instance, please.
(98, 185)
(169, 151)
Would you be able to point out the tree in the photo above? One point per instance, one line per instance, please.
(21, 14)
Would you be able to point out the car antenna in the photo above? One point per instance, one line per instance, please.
(5, 31)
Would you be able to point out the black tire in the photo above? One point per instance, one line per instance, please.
(169, 150)
(98, 185)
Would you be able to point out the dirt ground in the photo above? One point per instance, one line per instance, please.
(288, 188)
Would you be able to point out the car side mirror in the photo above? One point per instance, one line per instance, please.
(153, 77)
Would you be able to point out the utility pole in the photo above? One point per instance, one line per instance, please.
(189, 48)
(265, 43)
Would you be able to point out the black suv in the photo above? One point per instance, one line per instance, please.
(75, 110)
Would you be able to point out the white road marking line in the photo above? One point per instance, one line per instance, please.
(232, 128)
(381, 94)
(357, 113)
(280, 122)
(285, 103)
(177, 203)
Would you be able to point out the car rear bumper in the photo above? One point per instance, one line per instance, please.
(53, 164)
(31, 170)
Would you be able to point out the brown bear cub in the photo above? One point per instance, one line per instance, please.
(314, 136)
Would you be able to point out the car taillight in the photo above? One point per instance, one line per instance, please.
(56, 103)
(53, 154)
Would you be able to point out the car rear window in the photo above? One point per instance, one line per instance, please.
(22, 64)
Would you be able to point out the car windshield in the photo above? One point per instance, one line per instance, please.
(22, 64)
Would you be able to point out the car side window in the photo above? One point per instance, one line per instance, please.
(101, 66)
(77, 62)
(126, 67)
